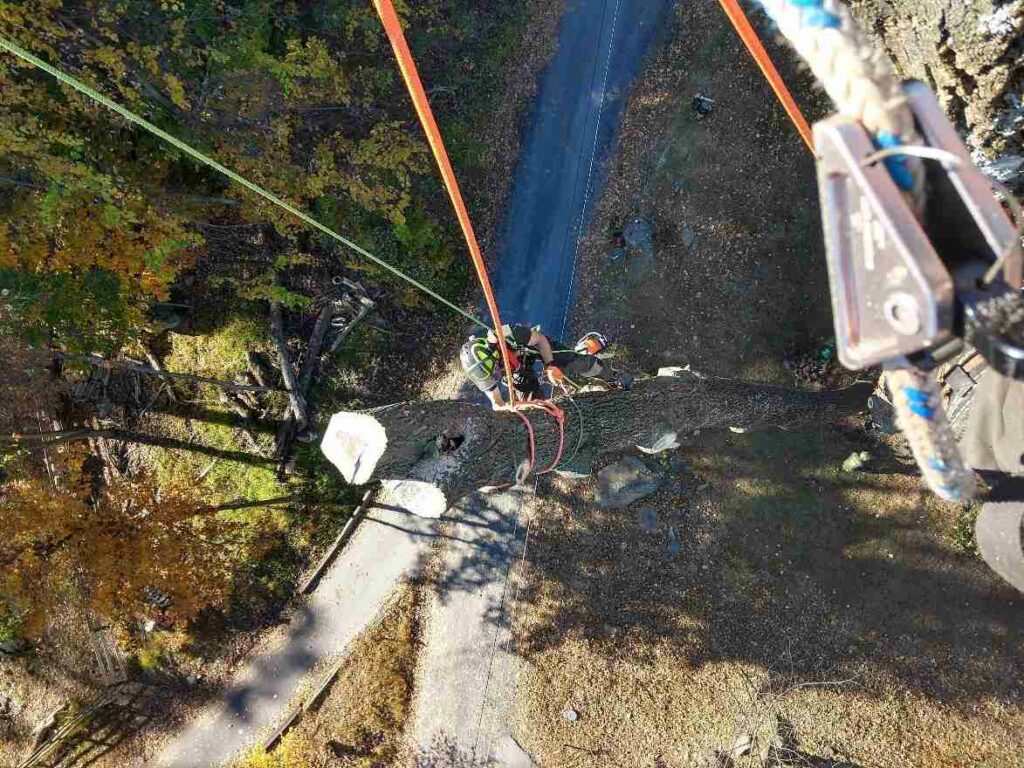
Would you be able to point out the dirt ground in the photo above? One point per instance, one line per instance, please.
(360, 719)
(754, 283)
(763, 591)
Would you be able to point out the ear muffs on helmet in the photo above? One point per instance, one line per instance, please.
(591, 344)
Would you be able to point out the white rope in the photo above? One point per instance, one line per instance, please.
(857, 76)
(862, 83)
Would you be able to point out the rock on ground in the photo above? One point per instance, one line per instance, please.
(623, 482)
(639, 234)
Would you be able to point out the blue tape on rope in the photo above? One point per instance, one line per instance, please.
(916, 395)
(898, 167)
(919, 402)
(818, 16)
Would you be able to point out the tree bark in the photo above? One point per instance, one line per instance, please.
(495, 443)
(316, 340)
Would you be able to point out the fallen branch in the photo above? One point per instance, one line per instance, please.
(316, 339)
(298, 404)
(103, 363)
(401, 441)
(364, 310)
(153, 361)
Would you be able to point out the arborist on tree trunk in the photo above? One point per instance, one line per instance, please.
(481, 360)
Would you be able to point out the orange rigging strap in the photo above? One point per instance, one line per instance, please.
(393, 28)
(749, 37)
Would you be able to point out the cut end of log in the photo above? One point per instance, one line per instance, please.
(354, 443)
(415, 496)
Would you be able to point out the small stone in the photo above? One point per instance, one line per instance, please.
(648, 520)
(149, 625)
(624, 482)
(741, 746)
(639, 234)
(674, 546)
(570, 715)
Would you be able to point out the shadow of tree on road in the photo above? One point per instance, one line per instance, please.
(444, 752)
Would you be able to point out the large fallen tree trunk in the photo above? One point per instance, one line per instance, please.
(408, 440)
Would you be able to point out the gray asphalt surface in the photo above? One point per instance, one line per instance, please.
(601, 48)
(388, 545)
(466, 677)
(466, 680)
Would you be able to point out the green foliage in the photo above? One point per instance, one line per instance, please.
(302, 99)
(10, 626)
(149, 658)
(220, 353)
(85, 309)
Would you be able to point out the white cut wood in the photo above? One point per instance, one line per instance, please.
(415, 496)
(354, 443)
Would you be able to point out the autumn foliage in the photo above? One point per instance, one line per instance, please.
(114, 550)
(98, 218)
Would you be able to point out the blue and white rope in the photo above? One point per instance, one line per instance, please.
(920, 416)
(862, 83)
(858, 78)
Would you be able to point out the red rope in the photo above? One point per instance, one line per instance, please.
(393, 28)
(531, 443)
(559, 416)
(749, 37)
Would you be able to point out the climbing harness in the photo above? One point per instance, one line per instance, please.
(912, 277)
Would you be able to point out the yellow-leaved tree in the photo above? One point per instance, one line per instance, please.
(115, 551)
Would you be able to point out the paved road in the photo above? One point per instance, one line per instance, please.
(466, 677)
(465, 685)
(388, 545)
(601, 46)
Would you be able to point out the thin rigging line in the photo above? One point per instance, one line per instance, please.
(590, 170)
(131, 117)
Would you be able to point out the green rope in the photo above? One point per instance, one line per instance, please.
(130, 116)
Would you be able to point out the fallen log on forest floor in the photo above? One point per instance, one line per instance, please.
(460, 446)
